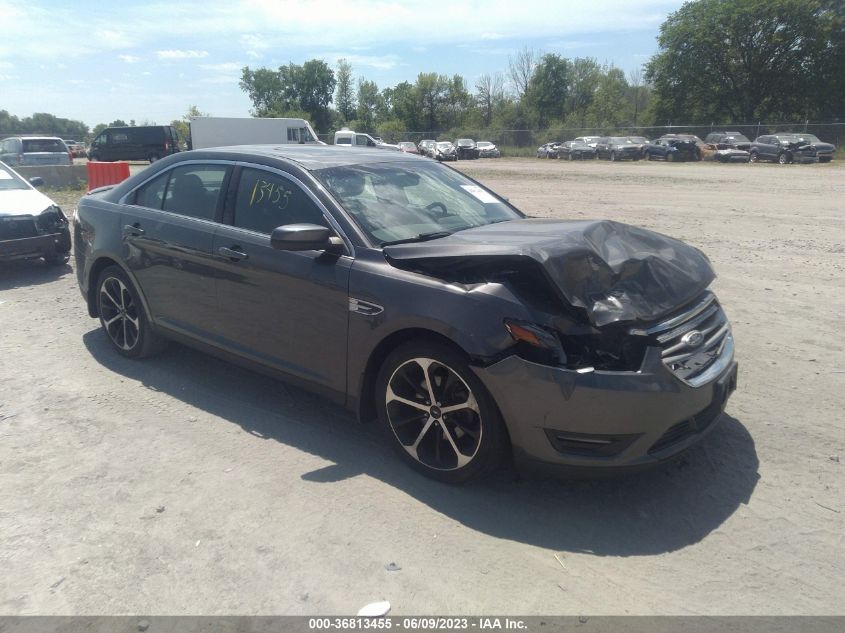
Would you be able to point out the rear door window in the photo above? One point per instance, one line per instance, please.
(194, 190)
(266, 200)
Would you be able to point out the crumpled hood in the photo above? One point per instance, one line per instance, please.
(613, 271)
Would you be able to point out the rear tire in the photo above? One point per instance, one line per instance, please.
(437, 414)
(122, 316)
(753, 158)
(153, 158)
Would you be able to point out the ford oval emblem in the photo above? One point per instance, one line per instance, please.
(693, 338)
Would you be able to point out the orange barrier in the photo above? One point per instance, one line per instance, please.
(102, 174)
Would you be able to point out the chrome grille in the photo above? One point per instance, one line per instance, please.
(697, 344)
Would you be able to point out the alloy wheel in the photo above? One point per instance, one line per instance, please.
(119, 313)
(434, 414)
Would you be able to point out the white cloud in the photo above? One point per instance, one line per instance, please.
(225, 67)
(181, 54)
(129, 59)
(380, 62)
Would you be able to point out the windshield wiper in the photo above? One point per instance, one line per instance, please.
(422, 237)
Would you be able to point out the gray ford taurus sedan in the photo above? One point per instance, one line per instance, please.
(416, 296)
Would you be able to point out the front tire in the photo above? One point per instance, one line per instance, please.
(57, 259)
(783, 158)
(437, 414)
(122, 316)
(753, 158)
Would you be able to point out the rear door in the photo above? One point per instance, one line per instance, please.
(168, 235)
(285, 309)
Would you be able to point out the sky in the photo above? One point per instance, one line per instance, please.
(101, 61)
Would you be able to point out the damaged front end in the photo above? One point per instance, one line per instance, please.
(621, 341)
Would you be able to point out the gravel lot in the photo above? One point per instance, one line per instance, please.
(185, 485)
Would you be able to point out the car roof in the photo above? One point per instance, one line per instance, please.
(309, 157)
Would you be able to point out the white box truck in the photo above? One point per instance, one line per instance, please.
(215, 131)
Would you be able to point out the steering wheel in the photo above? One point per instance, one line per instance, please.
(444, 211)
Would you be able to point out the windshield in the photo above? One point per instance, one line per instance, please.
(808, 138)
(639, 140)
(576, 144)
(464, 141)
(8, 180)
(399, 201)
(737, 138)
(407, 145)
(444, 145)
(484, 144)
(619, 140)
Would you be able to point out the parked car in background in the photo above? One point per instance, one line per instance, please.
(639, 141)
(824, 151)
(592, 141)
(732, 155)
(444, 150)
(77, 148)
(142, 142)
(486, 149)
(25, 151)
(548, 150)
(466, 149)
(408, 147)
(728, 140)
(783, 149)
(31, 224)
(427, 147)
(674, 147)
(618, 148)
(419, 298)
(572, 150)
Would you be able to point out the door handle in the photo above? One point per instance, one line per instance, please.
(133, 230)
(232, 253)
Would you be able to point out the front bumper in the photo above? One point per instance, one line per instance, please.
(38, 246)
(560, 417)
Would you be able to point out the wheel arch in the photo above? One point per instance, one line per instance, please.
(99, 265)
(366, 408)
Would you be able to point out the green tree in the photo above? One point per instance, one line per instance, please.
(369, 100)
(611, 106)
(548, 87)
(118, 123)
(291, 89)
(746, 60)
(405, 105)
(345, 95)
(182, 125)
(392, 130)
(584, 76)
(431, 94)
(97, 129)
(489, 93)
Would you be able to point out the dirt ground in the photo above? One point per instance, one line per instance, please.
(185, 485)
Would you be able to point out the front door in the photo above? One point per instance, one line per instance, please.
(168, 233)
(285, 309)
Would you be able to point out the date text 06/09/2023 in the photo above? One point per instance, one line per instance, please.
(418, 623)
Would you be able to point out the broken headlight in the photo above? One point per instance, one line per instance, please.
(51, 219)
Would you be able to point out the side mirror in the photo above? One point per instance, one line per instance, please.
(305, 237)
(36, 181)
